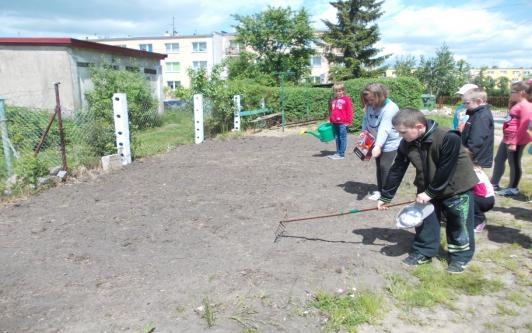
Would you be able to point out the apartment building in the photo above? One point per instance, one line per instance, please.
(197, 51)
(513, 74)
(183, 52)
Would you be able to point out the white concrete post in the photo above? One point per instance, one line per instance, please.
(198, 118)
(122, 127)
(236, 102)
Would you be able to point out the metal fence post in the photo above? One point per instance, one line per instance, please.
(60, 126)
(121, 118)
(198, 118)
(5, 139)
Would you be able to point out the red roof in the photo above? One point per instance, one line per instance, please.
(81, 44)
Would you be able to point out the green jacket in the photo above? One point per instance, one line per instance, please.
(443, 168)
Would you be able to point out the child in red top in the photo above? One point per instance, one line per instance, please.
(515, 138)
(341, 116)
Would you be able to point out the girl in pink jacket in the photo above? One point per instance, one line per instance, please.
(515, 138)
(341, 116)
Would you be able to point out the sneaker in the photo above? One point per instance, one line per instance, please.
(335, 157)
(480, 227)
(508, 192)
(376, 195)
(496, 188)
(416, 259)
(456, 267)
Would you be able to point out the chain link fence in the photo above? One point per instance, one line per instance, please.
(30, 154)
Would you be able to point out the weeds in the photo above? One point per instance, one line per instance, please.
(345, 312)
(503, 310)
(208, 313)
(435, 286)
(516, 298)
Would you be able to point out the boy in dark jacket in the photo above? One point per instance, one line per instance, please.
(444, 177)
(477, 132)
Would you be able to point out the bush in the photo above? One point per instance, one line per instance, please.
(300, 103)
(142, 107)
(404, 91)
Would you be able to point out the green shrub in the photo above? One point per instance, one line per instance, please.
(29, 168)
(404, 91)
(142, 107)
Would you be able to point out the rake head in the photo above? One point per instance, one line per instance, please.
(279, 232)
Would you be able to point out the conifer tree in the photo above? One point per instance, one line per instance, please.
(352, 39)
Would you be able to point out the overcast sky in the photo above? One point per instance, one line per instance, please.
(484, 33)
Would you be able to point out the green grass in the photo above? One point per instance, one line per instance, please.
(432, 285)
(346, 312)
(441, 119)
(177, 128)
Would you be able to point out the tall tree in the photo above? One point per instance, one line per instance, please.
(281, 39)
(353, 37)
(442, 75)
(405, 66)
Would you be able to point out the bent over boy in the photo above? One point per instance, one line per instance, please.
(444, 177)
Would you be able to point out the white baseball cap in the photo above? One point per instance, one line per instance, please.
(465, 88)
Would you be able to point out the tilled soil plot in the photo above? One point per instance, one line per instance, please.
(155, 241)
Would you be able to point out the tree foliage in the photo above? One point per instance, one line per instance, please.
(352, 39)
(405, 66)
(280, 39)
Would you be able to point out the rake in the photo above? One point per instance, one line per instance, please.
(281, 228)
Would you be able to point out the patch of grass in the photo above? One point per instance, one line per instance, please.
(148, 328)
(435, 286)
(208, 313)
(516, 298)
(177, 128)
(346, 312)
(503, 310)
(413, 294)
(441, 119)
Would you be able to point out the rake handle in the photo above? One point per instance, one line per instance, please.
(351, 211)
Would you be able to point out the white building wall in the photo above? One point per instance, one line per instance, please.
(28, 73)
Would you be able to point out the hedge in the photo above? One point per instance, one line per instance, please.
(301, 103)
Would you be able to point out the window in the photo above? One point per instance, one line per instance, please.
(122, 45)
(316, 79)
(146, 47)
(173, 84)
(172, 47)
(503, 72)
(199, 47)
(83, 64)
(132, 69)
(199, 64)
(150, 71)
(173, 67)
(315, 61)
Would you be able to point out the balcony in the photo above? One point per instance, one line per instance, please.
(232, 51)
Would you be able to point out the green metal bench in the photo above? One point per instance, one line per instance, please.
(264, 116)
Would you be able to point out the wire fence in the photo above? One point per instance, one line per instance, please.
(31, 145)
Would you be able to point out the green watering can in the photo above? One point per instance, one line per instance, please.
(324, 132)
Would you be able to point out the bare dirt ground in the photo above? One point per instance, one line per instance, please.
(153, 242)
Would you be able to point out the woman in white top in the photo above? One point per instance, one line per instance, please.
(379, 111)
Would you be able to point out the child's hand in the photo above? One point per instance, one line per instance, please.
(423, 198)
(512, 147)
(381, 205)
(376, 152)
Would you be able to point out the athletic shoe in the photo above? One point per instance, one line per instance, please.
(335, 157)
(416, 259)
(456, 267)
(376, 195)
(508, 192)
(480, 227)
